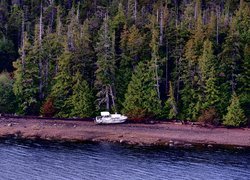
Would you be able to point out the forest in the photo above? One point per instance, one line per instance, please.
(163, 59)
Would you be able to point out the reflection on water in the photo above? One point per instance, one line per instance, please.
(24, 161)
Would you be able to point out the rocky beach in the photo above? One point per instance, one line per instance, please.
(158, 134)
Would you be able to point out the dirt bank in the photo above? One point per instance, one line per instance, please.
(167, 134)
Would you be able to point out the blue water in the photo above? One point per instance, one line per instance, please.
(43, 161)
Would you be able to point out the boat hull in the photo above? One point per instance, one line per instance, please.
(108, 120)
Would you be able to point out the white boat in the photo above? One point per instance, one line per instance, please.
(107, 118)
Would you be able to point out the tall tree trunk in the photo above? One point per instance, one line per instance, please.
(107, 98)
(161, 26)
(217, 26)
(157, 78)
(135, 9)
(22, 42)
(112, 97)
(52, 16)
(40, 59)
(166, 68)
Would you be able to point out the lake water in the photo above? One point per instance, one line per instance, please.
(43, 161)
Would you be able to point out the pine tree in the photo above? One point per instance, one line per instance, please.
(26, 80)
(192, 92)
(212, 95)
(81, 100)
(105, 72)
(242, 22)
(244, 85)
(235, 115)
(83, 56)
(154, 44)
(120, 19)
(231, 57)
(62, 87)
(208, 73)
(52, 50)
(141, 99)
(207, 61)
(171, 105)
(131, 44)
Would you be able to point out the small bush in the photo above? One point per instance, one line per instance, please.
(48, 109)
(209, 116)
(138, 115)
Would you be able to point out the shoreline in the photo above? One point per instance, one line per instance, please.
(166, 134)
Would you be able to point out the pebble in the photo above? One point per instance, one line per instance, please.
(9, 125)
(177, 143)
(171, 145)
(239, 147)
(209, 146)
(188, 145)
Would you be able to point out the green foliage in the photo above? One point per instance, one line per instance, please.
(26, 80)
(7, 97)
(81, 100)
(61, 90)
(244, 85)
(120, 18)
(131, 44)
(105, 72)
(235, 115)
(141, 94)
(171, 105)
(201, 49)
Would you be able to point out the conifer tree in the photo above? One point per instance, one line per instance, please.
(171, 105)
(235, 115)
(105, 72)
(131, 44)
(244, 85)
(207, 61)
(242, 22)
(62, 87)
(208, 73)
(191, 94)
(141, 99)
(231, 56)
(83, 56)
(120, 19)
(26, 79)
(154, 44)
(212, 95)
(81, 100)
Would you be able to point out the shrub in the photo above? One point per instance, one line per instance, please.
(48, 109)
(138, 115)
(209, 116)
(235, 116)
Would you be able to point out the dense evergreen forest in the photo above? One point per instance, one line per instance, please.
(167, 59)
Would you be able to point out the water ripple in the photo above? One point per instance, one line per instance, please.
(37, 161)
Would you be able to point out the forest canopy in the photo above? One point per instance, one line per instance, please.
(168, 59)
